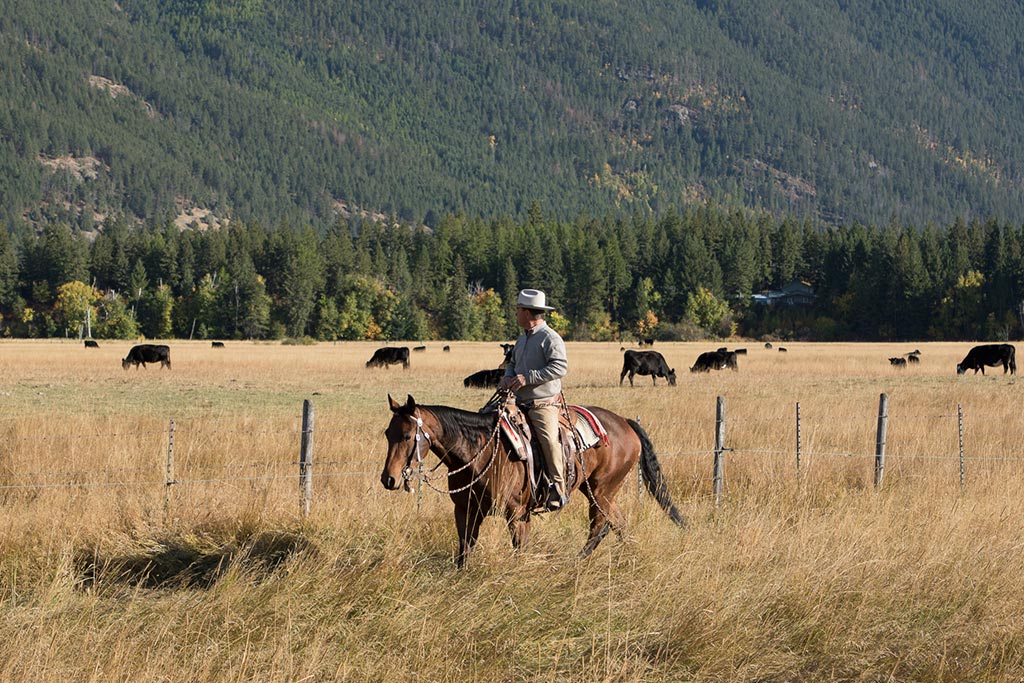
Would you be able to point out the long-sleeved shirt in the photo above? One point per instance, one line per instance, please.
(539, 356)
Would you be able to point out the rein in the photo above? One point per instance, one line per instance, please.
(407, 473)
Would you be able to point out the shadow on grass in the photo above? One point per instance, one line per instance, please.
(189, 562)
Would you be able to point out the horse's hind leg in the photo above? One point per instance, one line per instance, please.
(596, 536)
(604, 516)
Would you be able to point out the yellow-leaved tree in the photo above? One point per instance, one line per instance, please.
(559, 323)
(75, 307)
(646, 326)
(709, 312)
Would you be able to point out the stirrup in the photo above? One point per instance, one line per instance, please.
(555, 500)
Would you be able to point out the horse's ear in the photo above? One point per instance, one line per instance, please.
(393, 404)
(410, 402)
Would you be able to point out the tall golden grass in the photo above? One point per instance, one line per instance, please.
(815, 576)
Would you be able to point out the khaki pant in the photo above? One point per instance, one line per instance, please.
(544, 421)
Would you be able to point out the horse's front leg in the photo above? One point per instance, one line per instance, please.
(468, 517)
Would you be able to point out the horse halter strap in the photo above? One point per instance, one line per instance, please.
(421, 434)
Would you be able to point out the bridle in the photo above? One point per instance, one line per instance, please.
(409, 474)
(414, 452)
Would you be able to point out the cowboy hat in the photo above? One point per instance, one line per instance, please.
(533, 299)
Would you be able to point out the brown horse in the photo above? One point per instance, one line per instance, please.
(482, 479)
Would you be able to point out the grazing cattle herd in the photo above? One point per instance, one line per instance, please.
(651, 363)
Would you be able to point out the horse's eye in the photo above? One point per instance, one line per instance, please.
(408, 437)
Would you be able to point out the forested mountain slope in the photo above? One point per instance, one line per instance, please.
(845, 111)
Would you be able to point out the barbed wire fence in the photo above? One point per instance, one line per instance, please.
(305, 465)
(262, 472)
(880, 458)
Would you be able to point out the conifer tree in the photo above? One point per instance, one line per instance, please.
(302, 281)
(8, 272)
(155, 312)
(459, 319)
(509, 296)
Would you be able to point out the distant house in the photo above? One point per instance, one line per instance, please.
(797, 293)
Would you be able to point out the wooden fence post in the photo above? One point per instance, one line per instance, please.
(960, 430)
(719, 448)
(169, 477)
(883, 419)
(306, 459)
(798, 439)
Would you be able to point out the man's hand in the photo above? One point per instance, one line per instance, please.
(515, 383)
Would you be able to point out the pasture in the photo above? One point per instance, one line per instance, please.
(816, 576)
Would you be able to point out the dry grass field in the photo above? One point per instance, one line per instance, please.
(809, 577)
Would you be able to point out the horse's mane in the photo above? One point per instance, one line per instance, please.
(468, 426)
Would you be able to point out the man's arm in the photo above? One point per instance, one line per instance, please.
(556, 366)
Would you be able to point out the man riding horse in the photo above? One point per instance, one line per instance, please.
(535, 374)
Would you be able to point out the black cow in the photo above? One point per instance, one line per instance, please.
(767, 345)
(491, 378)
(646, 363)
(484, 378)
(419, 348)
(647, 341)
(91, 344)
(147, 353)
(715, 360)
(991, 355)
(389, 355)
(446, 348)
(740, 352)
(898, 362)
(782, 349)
(217, 345)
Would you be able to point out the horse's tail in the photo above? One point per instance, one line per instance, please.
(653, 477)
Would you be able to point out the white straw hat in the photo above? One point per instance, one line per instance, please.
(533, 299)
